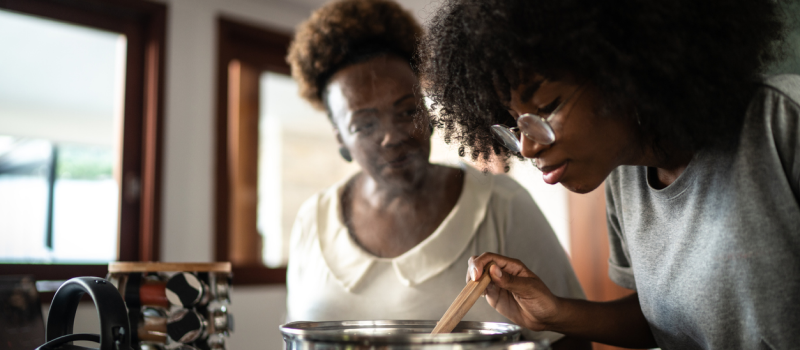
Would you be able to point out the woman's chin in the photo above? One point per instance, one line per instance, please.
(580, 187)
(407, 176)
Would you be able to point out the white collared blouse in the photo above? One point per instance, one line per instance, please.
(330, 277)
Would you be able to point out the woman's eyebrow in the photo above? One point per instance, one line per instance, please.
(365, 110)
(375, 110)
(401, 99)
(529, 90)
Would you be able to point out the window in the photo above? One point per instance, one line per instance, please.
(60, 101)
(298, 157)
(245, 54)
(271, 145)
(80, 115)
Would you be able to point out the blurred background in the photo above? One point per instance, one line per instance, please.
(171, 130)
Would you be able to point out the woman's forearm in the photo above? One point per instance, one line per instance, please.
(619, 322)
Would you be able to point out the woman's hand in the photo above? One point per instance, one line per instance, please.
(518, 294)
(515, 291)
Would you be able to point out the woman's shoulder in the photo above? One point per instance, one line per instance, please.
(507, 190)
(320, 200)
(774, 115)
(785, 84)
(506, 185)
(501, 186)
(776, 103)
(772, 127)
(319, 205)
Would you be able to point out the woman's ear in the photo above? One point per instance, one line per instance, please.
(343, 151)
(338, 135)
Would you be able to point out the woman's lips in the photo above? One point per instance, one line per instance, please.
(399, 162)
(553, 174)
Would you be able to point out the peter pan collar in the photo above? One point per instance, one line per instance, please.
(348, 262)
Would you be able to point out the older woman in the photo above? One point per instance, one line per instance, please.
(700, 156)
(388, 242)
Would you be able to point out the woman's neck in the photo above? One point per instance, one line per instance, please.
(383, 194)
(667, 165)
(387, 222)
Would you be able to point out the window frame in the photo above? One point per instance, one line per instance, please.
(257, 49)
(144, 24)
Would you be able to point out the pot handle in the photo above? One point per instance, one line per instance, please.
(114, 325)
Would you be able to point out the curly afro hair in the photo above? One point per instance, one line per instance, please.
(346, 32)
(684, 68)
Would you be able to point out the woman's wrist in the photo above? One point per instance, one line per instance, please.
(623, 323)
(559, 318)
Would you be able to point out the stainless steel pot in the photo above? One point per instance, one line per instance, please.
(406, 335)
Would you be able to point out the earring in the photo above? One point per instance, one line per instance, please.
(345, 154)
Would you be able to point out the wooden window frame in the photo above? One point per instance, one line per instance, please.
(257, 49)
(144, 24)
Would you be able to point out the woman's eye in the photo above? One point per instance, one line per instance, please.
(550, 107)
(366, 127)
(409, 113)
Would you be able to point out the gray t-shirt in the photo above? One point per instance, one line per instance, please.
(715, 256)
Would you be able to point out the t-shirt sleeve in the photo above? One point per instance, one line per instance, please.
(619, 264)
(784, 121)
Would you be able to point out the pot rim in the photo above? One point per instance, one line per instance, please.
(411, 332)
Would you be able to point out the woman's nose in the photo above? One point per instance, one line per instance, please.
(530, 148)
(393, 135)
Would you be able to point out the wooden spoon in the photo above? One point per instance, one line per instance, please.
(464, 301)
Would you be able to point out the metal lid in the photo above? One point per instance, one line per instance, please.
(398, 332)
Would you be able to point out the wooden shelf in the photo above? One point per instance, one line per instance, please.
(124, 266)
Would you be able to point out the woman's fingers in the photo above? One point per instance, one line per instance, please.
(496, 271)
(514, 291)
(493, 295)
(519, 285)
(506, 265)
(471, 269)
